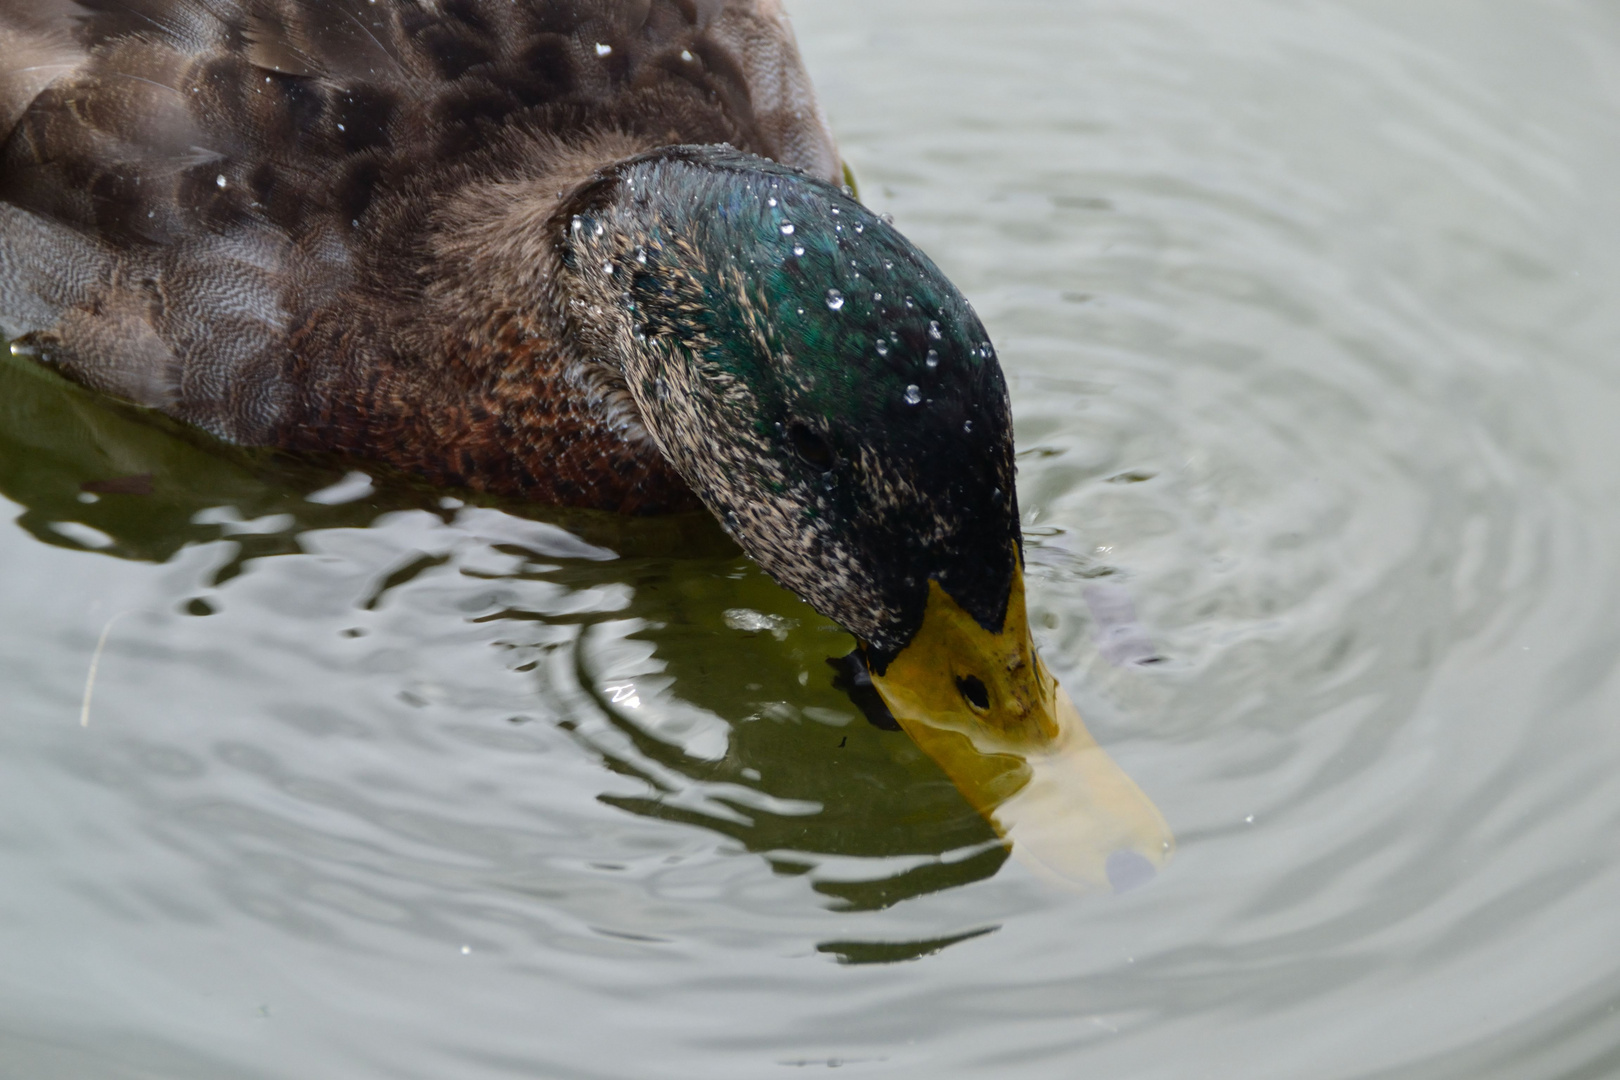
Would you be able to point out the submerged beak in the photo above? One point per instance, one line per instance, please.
(985, 708)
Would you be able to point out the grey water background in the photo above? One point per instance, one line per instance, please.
(1308, 313)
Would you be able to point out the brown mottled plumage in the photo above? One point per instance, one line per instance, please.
(320, 223)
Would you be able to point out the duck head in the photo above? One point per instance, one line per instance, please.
(837, 404)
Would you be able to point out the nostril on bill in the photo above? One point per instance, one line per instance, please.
(1128, 869)
(973, 690)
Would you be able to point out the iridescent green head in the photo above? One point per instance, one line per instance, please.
(811, 374)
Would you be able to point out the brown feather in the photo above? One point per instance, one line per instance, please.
(316, 223)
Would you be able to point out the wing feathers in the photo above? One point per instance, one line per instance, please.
(184, 182)
(32, 301)
(38, 47)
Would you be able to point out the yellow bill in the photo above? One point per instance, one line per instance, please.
(985, 708)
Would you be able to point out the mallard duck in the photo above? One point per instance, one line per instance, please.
(588, 252)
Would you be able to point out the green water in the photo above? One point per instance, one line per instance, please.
(1307, 313)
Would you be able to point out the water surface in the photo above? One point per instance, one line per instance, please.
(1307, 313)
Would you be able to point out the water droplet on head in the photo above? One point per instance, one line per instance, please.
(607, 268)
(578, 223)
(886, 217)
(933, 330)
(603, 50)
(859, 227)
(913, 394)
(967, 426)
(599, 230)
(877, 298)
(770, 200)
(798, 249)
(911, 305)
(933, 360)
(882, 347)
(835, 299)
(787, 228)
(641, 256)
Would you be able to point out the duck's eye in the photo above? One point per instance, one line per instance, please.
(811, 448)
(973, 691)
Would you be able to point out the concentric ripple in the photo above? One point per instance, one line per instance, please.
(1306, 310)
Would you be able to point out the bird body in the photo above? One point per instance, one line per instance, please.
(318, 224)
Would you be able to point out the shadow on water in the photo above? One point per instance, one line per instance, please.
(802, 779)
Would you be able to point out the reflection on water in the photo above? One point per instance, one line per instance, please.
(1306, 314)
(604, 629)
